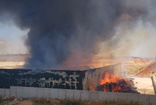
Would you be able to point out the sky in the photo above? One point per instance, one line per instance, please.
(146, 49)
(12, 38)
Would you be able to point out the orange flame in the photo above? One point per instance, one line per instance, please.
(108, 78)
(91, 87)
(113, 83)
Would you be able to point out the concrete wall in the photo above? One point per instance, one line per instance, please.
(30, 92)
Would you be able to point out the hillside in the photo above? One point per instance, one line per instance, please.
(132, 65)
(147, 71)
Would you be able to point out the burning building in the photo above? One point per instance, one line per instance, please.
(112, 83)
(93, 79)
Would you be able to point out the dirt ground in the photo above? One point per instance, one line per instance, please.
(26, 102)
(69, 102)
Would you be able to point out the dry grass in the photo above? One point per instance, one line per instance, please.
(132, 70)
(6, 99)
(43, 101)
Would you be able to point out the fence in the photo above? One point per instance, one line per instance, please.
(30, 92)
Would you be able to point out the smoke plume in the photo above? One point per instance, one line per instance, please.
(58, 28)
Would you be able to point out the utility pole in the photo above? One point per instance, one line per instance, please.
(153, 77)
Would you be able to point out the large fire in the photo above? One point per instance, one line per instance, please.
(113, 83)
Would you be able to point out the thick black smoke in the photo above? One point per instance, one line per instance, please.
(60, 27)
